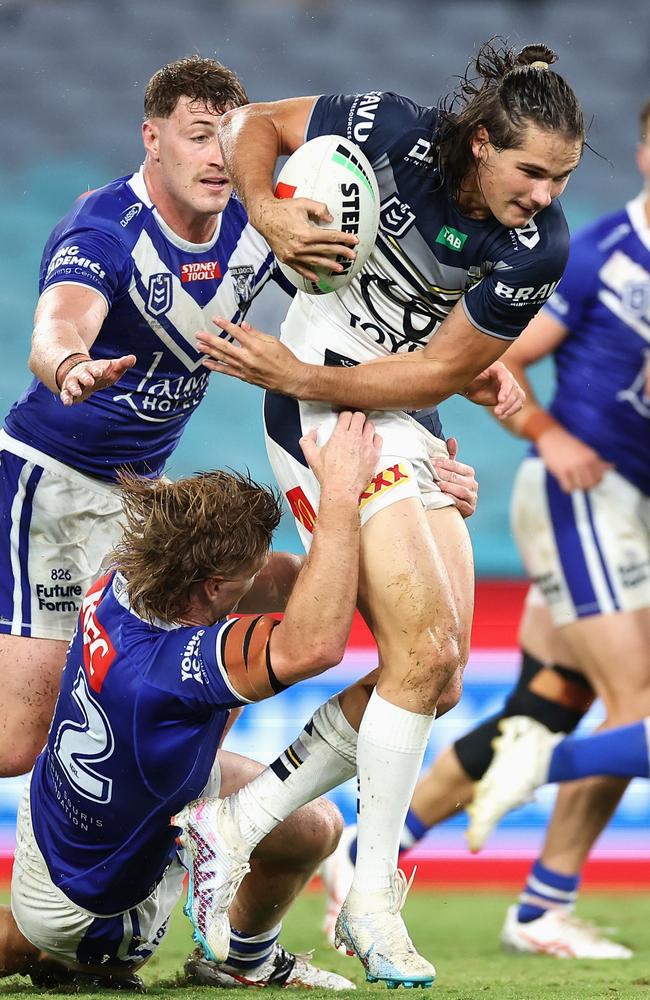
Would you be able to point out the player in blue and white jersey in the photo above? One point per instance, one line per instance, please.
(581, 518)
(151, 674)
(127, 278)
(472, 242)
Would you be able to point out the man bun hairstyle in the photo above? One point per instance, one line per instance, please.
(179, 533)
(204, 81)
(505, 91)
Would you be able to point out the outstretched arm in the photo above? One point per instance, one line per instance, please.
(67, 322)
(452, 359)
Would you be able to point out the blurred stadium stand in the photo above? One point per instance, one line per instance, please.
(72, 74)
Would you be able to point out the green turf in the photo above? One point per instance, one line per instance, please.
(458, 932)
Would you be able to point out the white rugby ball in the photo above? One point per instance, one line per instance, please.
(333, 170)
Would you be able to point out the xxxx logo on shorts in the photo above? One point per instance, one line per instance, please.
(301, 508)
(384, 480)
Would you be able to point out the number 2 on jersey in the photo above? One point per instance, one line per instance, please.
(79, 744)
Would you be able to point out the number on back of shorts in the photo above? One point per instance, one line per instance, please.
(79, 744)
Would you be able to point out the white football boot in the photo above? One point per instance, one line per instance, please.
(559, 933)
(522, 755)
(370, 926)
(217, 866)
(282, 969)
(336, 874)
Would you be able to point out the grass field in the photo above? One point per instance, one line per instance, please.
(458, 931)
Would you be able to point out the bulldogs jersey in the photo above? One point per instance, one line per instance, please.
(141, 711)
(603, 365)
(160, 290)
(428, 255)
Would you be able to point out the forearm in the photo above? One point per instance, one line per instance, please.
(52, 342)
(407, 382)
(250, 144)
(319, 613)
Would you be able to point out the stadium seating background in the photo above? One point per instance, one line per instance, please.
(72, 74)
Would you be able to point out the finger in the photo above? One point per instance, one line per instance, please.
(125, 362)
(452, 465)
(345, 419)
(315, 209)
(243, 336)
(452, 447)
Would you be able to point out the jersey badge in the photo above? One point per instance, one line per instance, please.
(528, 235)
(131, 213)
(451, 238)
(396, 217)
(160, 294)
(191, 665)
(243, 277)
(421, 152)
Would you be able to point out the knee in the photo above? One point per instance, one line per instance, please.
(447, 658)
(450, 696)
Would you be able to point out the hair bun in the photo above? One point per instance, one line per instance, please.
(538, 56)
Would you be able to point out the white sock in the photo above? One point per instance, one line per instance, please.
(323, 756)
(390, 749)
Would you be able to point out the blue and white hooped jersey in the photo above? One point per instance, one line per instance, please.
(428, 255)
(603, 365)
(160, 291)
(137, 724)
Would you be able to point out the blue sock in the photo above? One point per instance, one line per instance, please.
(248, 951)
(622, 752)
(546, 889)
(414, 830)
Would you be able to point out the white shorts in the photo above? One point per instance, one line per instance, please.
(405, 467)
(56, 528)
(52, 922)
(588, 551)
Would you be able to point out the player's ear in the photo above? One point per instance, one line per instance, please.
(150, 138)
(479, 141)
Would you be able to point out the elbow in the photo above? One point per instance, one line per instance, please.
(328, 654)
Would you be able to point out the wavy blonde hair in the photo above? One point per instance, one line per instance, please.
(176, 534)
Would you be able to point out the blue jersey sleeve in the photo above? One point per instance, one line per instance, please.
(224, 665)
(376, 121)
(579, 285)
(529, 265)
(86, 256)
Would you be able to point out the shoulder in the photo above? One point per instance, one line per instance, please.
(113, 210)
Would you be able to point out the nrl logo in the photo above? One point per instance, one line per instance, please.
(160, 294)
(396, 217)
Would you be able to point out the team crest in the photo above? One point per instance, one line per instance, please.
(636, 297)
(160, 294)
(396, 218)
(528, 235)
(243, 280)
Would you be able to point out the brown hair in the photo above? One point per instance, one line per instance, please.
(205, 81)
(505, 91)
(176, 534)
(644, 119)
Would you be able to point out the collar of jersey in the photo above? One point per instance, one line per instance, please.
(137, 184)
(121, 595)
(636, 212)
